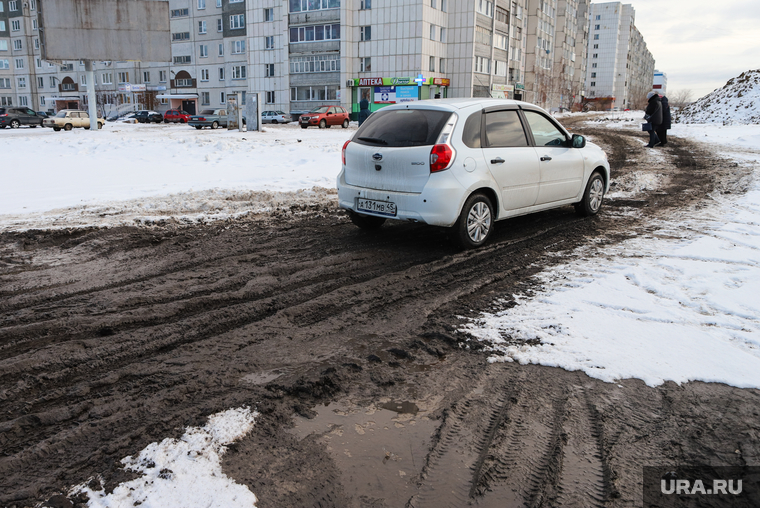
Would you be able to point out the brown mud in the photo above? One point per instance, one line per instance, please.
(346, 343)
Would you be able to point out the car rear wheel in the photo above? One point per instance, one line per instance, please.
(68, 127)
(100, 125)
(592, 198)
(215, 125)
(368, 222)
(56, 129)
(181, 120)
(199, 127)
(345, 123)
(322, 124)
(15, 124)
(304, 126)
(475, 223)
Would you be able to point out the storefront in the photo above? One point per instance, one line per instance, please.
(380, 92)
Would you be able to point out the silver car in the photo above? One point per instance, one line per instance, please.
(274, 117)
(465, 163)
(212, 118)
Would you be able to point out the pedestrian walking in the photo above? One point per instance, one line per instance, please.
(662, 131)
(363, 110)
(653, 115)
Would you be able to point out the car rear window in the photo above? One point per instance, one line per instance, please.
(402, 127)
(2, 110)
(207, 112)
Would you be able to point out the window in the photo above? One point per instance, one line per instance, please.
(123, 77)
(204, 74)
(22, 101)
(162, 76)
(203, 51)
(431, 67)
(593, 83)
(596, 27)
(42, 100)
(83, 79)
(218, 3)
(54, 81)
(595, 55)
(483, 35)
(593, 74)
(545, 133)
(146, 76)
(36, 43)
(366, 33)
(33, 4)
(366, 64)
(596, 46)
(17, 45)
(201, 4)
(219, 25)
(2, 22)
(22, 82)
(313, 5)
(593, 65)
(13, 5)
(222, 97)
(442, 65)
(1, 7)
(482, 65)
(443, 34)
(270, 98)
(443, 6)
(432, 32)
(314, 93)
(221, 49)
(268, 70)
(6, 101)
(238, 47)
(202, 27)
(485, 7)
(269, 14)
(19, 63)
(238, 72)
(68, 87)
(596, 37)
(5, 82)
(316, 63)
(180, 36)
(504, 129)
(179, 13)
(182, 59)
(598, 17)
(365, 4)
(205, 98)
(315, 33)
(3, 44)
(433, 4)
(40, 82)
(270, 42)
(15, 25)
(237, 21)
(221, 73)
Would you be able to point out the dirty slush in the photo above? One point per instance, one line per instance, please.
(346, 343)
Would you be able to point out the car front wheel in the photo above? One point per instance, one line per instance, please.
(592, 198)
(345, 124)
(304, 126)
(68, 127)
(322, 124)
(366, 221)
(475, 223)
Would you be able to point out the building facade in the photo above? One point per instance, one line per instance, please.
(298, 54)
(621, 68)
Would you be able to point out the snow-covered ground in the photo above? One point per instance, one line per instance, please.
(135, 173)
(677, 305)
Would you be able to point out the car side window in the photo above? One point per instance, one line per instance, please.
(504, 129)
(471, 132)
(545, 133)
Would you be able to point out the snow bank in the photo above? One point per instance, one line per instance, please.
(738, 102)
(184, 472)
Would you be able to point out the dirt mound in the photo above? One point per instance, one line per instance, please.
(738, 102)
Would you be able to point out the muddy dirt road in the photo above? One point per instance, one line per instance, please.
(347, 345)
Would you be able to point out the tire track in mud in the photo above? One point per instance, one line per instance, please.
(111, 339)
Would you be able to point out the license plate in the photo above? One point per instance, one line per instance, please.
(376, 207)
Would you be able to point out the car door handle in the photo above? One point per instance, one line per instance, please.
(498, 160)
(546, 158)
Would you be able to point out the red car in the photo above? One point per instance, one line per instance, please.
(176, 115)
(324, 117)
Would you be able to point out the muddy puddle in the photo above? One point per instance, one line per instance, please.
(380, 449)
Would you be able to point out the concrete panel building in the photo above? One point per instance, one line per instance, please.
(621, 68)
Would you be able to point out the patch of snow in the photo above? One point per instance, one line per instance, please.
(738, 102)
(184, 472)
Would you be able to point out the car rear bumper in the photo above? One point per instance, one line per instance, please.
(438, 204)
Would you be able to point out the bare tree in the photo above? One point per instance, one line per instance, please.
(681, 98)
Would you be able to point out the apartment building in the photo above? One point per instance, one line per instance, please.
(621, 68)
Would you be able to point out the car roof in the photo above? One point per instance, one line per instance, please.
(462, 103)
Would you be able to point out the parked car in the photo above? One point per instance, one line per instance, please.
(209, 118)
(325, 117)
(274, 117)
(465, 163)
(176, 116)
(42, 114)
(16, 117)
(147, 116)
(67, 119)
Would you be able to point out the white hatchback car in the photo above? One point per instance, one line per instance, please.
(465, 163)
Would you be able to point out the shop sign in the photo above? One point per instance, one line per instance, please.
(370, 82)
(407, 94)
(385, 95)
(138, 88)
(400, 81)
(442, 81)
(519, 86)
(503, 88)
(126, 87)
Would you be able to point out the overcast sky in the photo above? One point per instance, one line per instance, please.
(700, 44)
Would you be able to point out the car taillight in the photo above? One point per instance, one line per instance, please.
(343, 153)
(202, 119)
(4, 114)
(440, 157)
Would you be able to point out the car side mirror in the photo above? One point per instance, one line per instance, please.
(578, 141)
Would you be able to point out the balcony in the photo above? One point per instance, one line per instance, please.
(183, 83)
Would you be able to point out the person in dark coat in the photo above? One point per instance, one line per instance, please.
(653, 115)
(662, 131)
(363, 110)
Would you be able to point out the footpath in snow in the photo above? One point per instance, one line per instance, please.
(654, 308)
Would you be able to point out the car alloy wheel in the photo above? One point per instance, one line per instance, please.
(345, 124)
(214, 125)
(322, 124)
(475, 222)
(15, 124)
(592, 197)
